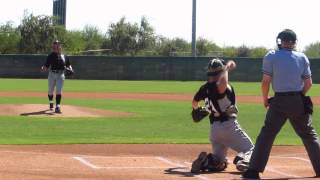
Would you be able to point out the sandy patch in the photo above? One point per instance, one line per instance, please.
(67, 111)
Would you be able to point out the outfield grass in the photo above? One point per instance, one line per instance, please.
(185, 87)
(154, 122)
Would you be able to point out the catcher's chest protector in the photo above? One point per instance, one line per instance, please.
(219, 104)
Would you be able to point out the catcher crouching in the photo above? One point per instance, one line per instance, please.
(225, 131)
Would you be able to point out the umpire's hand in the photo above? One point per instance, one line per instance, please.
(266, 103)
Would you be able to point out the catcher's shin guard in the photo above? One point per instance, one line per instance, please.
(199, 164)
(216, 164)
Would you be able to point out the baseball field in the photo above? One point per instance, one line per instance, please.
(126, 130)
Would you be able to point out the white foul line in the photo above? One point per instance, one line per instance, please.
(300, 158)
(165, 160)
(289, 155)
(282, 173)
(137, 167)
(297, 158)
(169, 162)
(87, 163)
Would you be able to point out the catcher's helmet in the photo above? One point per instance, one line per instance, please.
(286, 35)
(215, 67)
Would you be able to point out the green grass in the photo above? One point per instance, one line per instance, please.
(153, 122)
(184, 87)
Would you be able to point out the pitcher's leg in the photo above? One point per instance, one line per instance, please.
(59, 88)
(272, 125)
(303, 127)
(51, 85)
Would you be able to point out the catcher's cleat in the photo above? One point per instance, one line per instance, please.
(198, 164)
(238, 158)
(57, 110)
(242, 166)
(51, 106)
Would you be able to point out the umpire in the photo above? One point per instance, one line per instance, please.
(56, 64)
(289, 72)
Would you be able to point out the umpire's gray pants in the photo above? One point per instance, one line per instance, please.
(283, 108)
(55, 80)
(228, 134)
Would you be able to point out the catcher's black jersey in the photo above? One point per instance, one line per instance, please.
(57, 61)
(220, 106)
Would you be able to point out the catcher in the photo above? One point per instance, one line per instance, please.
(225, 131)
(58, 66)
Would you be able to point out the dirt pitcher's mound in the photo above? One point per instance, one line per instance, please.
(67, 111)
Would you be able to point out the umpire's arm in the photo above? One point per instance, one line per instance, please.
(306, 76)
(265, 86)
(307, 85)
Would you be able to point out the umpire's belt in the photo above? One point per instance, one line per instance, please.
(57, 71)
(297, 93)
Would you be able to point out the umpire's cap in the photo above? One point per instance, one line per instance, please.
(215, 67)
(287, 35)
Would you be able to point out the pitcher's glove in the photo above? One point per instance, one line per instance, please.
(69, 72)
(199, 113)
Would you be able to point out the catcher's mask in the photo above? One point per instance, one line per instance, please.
(286, 35)
(215, 68)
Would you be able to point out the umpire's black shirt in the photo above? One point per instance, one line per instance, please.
(57, 62)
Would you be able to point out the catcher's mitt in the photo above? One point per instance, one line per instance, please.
(69, 72)
(199, 113)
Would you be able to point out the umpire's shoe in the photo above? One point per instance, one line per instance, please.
(58, 110)
(251, 174)
(198, 164)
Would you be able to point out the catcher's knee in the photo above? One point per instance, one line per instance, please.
(216, 164)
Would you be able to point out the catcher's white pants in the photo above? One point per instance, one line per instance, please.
(228, 134)
(55, 80)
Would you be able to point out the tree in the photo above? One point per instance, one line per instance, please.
(146, 35)
(163, 46)
(9, 38)
(74, 42)
(229, 51)
(93, 37)
(313, 50)
(205, 48)
(243, 51)
(123, 36)
(258, 52)
(172, 47)
(38, 32)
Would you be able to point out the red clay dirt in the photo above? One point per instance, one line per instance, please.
(67, 111)
(135, 162)
(134, 96)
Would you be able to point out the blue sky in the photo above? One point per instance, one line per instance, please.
(225, 22)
